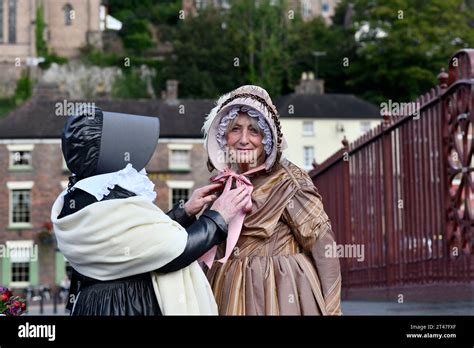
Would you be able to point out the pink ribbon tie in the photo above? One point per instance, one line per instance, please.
(235, 225)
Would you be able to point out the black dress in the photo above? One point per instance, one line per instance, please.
(135, 295)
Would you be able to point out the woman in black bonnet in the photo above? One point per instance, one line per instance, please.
(128, 256)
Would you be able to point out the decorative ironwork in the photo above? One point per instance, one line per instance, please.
(459, 115)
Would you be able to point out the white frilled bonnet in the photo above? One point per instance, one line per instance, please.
(254, 101)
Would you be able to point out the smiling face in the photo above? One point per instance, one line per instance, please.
(244, 139)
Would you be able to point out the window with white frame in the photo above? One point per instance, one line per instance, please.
(179, 195)
(11, 21)
(20, 272)
(21, 208)
(305, 9)
(1, 21)
(179, 191)
(20, 156)
(180, 156)
(308, 128)
(308, 153)
(68, 14)
(21, 254)
(20, 203)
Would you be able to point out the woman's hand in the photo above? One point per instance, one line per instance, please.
(230, 203)
(200, 197)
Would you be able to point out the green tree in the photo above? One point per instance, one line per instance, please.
(219, 50)
(129, 86)
(406, 44)
(207, 60)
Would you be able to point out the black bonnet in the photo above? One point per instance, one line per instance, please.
(98, 142)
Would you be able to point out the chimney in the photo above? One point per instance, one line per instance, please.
(171, 94)
(309, 85)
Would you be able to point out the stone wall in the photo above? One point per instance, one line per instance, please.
(79, 82)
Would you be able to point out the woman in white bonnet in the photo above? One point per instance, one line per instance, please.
(278, 265)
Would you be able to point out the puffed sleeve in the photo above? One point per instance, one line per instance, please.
(312, 229)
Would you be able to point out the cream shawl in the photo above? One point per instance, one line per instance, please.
(118, 238)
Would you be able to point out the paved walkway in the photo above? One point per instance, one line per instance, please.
(351, 308)
(48, 309)
(413, 308)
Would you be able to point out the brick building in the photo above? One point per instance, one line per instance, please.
(33, 173)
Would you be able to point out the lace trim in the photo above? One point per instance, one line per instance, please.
(267, 138)
(127, 178)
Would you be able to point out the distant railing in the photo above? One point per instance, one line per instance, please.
(405, 190)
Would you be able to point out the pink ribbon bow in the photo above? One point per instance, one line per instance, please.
(235, 225)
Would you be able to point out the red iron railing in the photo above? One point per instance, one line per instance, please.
(405, 190)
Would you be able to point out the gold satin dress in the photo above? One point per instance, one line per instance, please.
(279, 266)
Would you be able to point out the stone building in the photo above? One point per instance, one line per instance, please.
(69, 25)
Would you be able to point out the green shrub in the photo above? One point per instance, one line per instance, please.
(93, 56)
(23, 89)
(129, 86)
(41, 47)
(6, 105)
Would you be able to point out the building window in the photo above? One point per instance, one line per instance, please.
(324, 7)
(308, 159)
(20, 159)
(308, 128)
(179, 191)
(20, 156)
(21, 207)
(364, 127)
(200, 4)
(20, 272)
(179, 195)
(306, 9)
(21, 256)
(20, 204)
(11, 21)
(180, 156)
(68, 14)
(1, 21)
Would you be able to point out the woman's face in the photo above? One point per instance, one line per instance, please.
(244, 139)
